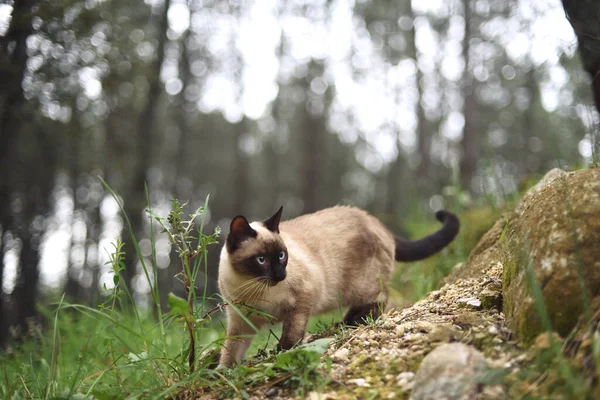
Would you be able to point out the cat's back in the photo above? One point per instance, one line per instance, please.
(337, 227)
(332, 218)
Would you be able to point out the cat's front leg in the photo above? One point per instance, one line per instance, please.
(294, 327)
(239, 338)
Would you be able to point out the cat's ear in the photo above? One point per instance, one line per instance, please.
(239, 230)
(272, 223)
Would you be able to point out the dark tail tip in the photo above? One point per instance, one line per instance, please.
(450, 221)
(412, 250)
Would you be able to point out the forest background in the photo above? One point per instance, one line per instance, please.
(397, 107)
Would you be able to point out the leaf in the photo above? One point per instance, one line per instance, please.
(320, 345)
(137, 357)
(178, 305)
(306, 355)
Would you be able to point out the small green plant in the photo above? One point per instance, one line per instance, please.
(192, 252)
(115, 260)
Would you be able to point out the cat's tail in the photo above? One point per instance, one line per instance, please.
(412, 250)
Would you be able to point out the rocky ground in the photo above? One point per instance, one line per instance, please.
(381, 360)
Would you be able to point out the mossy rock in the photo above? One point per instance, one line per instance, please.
(553, 246)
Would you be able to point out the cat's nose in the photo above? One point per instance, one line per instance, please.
(279, 274)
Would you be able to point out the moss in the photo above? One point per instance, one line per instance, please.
(491, 299)
(475, 223)
(556, 234)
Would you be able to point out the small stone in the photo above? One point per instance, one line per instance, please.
(361, 382)
(443, 333)
(341, 354)
(400, 329)
(469, 302)
(406, 376)
(434, 295)
(315, 396)
(493, 330)
(272, 392)
(405, 380)
(424, 326)
(391, 395)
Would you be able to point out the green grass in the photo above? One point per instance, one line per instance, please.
(117, 350)
(90, 353)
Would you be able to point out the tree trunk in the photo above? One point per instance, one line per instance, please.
(241, 176)
(26, 291)
(37, 187)
(135, 202)
(72, 287)
(395, 197)
(165, 275)
(310, 163)
(470, 139)
(4, 320)
(423, 134)
(13, 59)
(13, 66)
(584, 17)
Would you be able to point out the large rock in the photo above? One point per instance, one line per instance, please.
(552, 248)
(450, 372)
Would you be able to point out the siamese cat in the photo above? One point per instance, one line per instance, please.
(312, 264)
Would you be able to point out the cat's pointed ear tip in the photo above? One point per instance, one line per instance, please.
(238, 221)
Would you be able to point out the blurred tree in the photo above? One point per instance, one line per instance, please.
(241, 169)
(584, 16)
(386, 23)
(470, 139)
(13, 115)
(135, 199)
(34, 186)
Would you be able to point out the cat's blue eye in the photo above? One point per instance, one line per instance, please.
(261, 259)
(282, 255)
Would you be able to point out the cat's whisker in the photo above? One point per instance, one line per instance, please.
(248, 289)
(247, 283)
(256, 291)
(265, 288)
